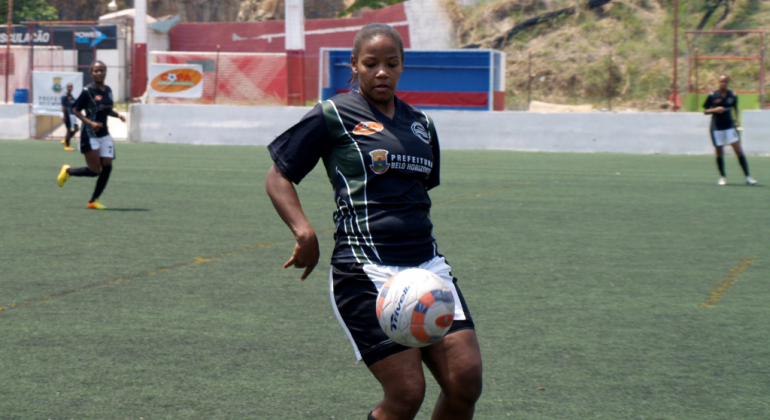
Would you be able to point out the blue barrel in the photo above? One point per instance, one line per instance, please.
(21, 96)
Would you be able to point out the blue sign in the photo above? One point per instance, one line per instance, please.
(93, 37)
(67, 37)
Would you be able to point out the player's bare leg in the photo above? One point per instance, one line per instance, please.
(737, 148)
(403, 383)
(455, 362)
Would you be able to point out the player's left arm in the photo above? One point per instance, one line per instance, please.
(434, 177)
(116, 115)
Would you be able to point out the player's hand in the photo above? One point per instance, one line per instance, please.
(122, 118)
(95, 125)
(305, 254)
(719, 109)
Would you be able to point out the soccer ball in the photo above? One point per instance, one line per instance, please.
(415, 308)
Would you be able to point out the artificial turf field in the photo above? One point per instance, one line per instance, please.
(585, 274)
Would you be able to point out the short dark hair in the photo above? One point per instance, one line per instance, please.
(91, 69)
(370, 31)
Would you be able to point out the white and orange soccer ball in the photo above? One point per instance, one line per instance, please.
(415, 308)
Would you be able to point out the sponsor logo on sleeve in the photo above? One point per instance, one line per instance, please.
(367, 128)
(380, 163)
(420, 132)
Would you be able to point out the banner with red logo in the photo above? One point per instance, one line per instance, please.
(176, 80)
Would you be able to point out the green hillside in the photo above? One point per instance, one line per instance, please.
(571, 43)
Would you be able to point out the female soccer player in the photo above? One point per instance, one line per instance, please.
(95, 140)
(67, 102)
(381, 156)
(720, 104)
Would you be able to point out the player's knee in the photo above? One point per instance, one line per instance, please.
(408, 396)
(466, 386)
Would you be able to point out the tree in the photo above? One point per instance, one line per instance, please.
(372, 4)
(87, 9)
(27, 10)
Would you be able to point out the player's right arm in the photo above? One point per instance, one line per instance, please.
(709, 108)
(295, 152)
(80, 104)
(286, 203)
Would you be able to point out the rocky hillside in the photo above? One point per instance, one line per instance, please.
(583, 51)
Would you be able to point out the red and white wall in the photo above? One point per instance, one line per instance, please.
(422, 25)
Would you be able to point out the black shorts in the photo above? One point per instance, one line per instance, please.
(354, 289)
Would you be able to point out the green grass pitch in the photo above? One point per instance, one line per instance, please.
(585, 274)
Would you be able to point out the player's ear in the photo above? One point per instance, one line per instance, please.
(353, 63)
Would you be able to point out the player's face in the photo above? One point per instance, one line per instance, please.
(379, 67)
(723, 82)
(69, 88)
(99, 72)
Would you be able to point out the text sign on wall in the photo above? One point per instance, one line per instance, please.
(176, 80)
(48, 89)
(102, 37)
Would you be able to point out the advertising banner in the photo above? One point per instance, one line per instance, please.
(69, 37)
(48, 89)
(176, 80)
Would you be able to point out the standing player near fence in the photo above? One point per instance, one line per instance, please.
(95, 140)
(721, 103)
(381, 156)
(67, 102)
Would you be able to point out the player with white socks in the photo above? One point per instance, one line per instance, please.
(721, 104)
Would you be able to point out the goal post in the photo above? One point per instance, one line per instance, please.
(694, 57)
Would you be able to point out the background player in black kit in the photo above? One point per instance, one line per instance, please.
(95, 140)
(67, 102)
(381, 156)
(721, 104)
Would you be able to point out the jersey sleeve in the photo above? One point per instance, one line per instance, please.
(434, 177)
(709, 102)
(82, 101)
(298, 149)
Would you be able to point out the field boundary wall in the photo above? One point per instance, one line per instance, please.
(642, 133)
(14, 121)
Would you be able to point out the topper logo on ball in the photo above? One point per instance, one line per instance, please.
(394, 317)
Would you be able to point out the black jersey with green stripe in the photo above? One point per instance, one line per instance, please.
(381, 170)
(97, 105)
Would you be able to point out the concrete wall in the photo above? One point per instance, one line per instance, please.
(14, 121)
(666, 133)
(205, 124)
(756, 131)
(430, 27)
(640, 132)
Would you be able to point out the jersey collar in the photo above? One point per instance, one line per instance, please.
(378, 115)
